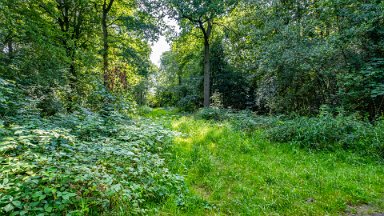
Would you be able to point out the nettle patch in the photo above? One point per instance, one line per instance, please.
(83, 164)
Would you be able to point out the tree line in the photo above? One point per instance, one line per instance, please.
(72, 53)
(278, 56)
(270, 56)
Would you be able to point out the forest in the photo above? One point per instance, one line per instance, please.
(259, 107)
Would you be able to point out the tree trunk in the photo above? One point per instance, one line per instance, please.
(72, 77)
(10, 49)
(207, 63)
(179, 78)
(207, 73)
(105, 46)
(104, 25)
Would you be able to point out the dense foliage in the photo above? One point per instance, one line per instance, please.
(57, 49)
(80, 163)
(76, 87)
(287, 56)
(323, 132)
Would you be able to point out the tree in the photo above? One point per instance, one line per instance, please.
(107, 5)
(199, 14)
(58, 49)
(202, 14)
(302, 54)
(129, 26)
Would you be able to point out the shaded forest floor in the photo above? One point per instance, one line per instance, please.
(242, 173)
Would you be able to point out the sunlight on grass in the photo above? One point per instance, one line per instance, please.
(242, 173)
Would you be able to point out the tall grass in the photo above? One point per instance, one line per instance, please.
(323, 132)
(232, 165)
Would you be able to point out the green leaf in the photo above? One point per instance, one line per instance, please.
(8, 207)
(67, 196)
(16, 203)
(48, 190)
(48, 208)
(37, 194)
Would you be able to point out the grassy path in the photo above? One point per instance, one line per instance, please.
(241, 173)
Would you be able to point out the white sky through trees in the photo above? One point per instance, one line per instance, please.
(162, 45)
(158, 49)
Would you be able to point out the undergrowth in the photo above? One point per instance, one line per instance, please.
(329, 133)
(92, 163)
(324, 132)
(84, 163)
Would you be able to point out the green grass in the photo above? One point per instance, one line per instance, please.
(230, 172)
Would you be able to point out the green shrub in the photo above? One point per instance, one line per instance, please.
(10, 98)
(374, 139)
(248, 122)
(213, 114)
(329, 132)
(50, 105)
(324, 132)
(244, 120)
(188, 103)
(144, 110)
(80, 163)
(378, 142)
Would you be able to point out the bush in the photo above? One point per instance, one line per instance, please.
(329, 133)
(213, 114)
(374, 139)
(244, 120)
(10, 98)
(50, 105)
(79, 163)
(188, 103)
(324, 132)
(144, 110)
(249, 122)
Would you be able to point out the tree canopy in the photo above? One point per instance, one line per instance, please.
(290, 56)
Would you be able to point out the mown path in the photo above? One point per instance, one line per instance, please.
(240, 173)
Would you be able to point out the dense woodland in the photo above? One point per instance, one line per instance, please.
(282, 57)
(285, 92)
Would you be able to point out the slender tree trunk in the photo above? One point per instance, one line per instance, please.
(72, 77)
(72, 66)
(64, 23)
(105, 46)
(106, 8)
(179, 79)
(10, 48)
(207, 64)
(207, 73)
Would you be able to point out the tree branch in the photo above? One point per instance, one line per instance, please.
(109, 5)
(227, 28)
